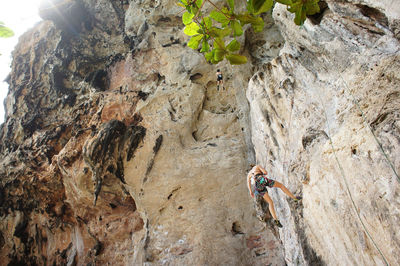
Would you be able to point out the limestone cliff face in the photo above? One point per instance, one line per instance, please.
(314, 112)
(117, 147)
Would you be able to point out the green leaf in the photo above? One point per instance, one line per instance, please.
(261, 6)
(205, 47)
(231, 4)
(219, 17)
(244, 18)
(285, 2)
(300, 16)
(302, 8)
(219, 54)
(187, 18)
(256, 22)
(233, 46)
(257, 5)
(195, 41)
(295, 7)
(210, 55)
(258, 25)
(5, 32)
(297, 18)
(236, 27)
(184, 2)
(191, 29)
(199, 3)
(219, 33)
(225, 11)
(236, 59)
(312, 7)
(193, 10)
(207, 22)
(219, 43)
(250, 6)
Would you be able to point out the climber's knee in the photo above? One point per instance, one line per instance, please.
(268, 199)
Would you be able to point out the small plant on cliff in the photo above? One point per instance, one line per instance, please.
(4, 31)
(210, 30)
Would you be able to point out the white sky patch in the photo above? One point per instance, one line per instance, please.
(19, 15)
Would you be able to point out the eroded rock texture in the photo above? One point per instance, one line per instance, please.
(118, 149)
(313, 111)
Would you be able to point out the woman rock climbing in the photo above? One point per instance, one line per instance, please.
(220, 79)
(257, 177)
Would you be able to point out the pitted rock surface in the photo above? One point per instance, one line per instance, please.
(118, 148)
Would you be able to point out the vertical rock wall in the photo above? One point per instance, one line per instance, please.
(314, 112)
(117, 147)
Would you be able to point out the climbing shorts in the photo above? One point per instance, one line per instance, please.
(261, 184)
(219, 77)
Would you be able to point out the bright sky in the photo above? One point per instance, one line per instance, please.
(19, 15)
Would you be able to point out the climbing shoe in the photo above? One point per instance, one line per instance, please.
(218, 88)
(277, 223)
(298, 198)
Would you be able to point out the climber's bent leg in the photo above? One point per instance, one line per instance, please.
(284, 189)
(268, 199)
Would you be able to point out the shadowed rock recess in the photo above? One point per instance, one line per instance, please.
(117, 148)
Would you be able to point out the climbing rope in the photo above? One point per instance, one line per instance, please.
(348, 187)
(370, 129)
(345, 179)
(385, 155)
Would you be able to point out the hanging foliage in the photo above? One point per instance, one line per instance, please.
(209, 32)
(4, 31)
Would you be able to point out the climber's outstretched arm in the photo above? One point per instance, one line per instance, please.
(249, 185)
(259, 168)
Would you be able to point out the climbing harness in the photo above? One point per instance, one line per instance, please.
(262, 182)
